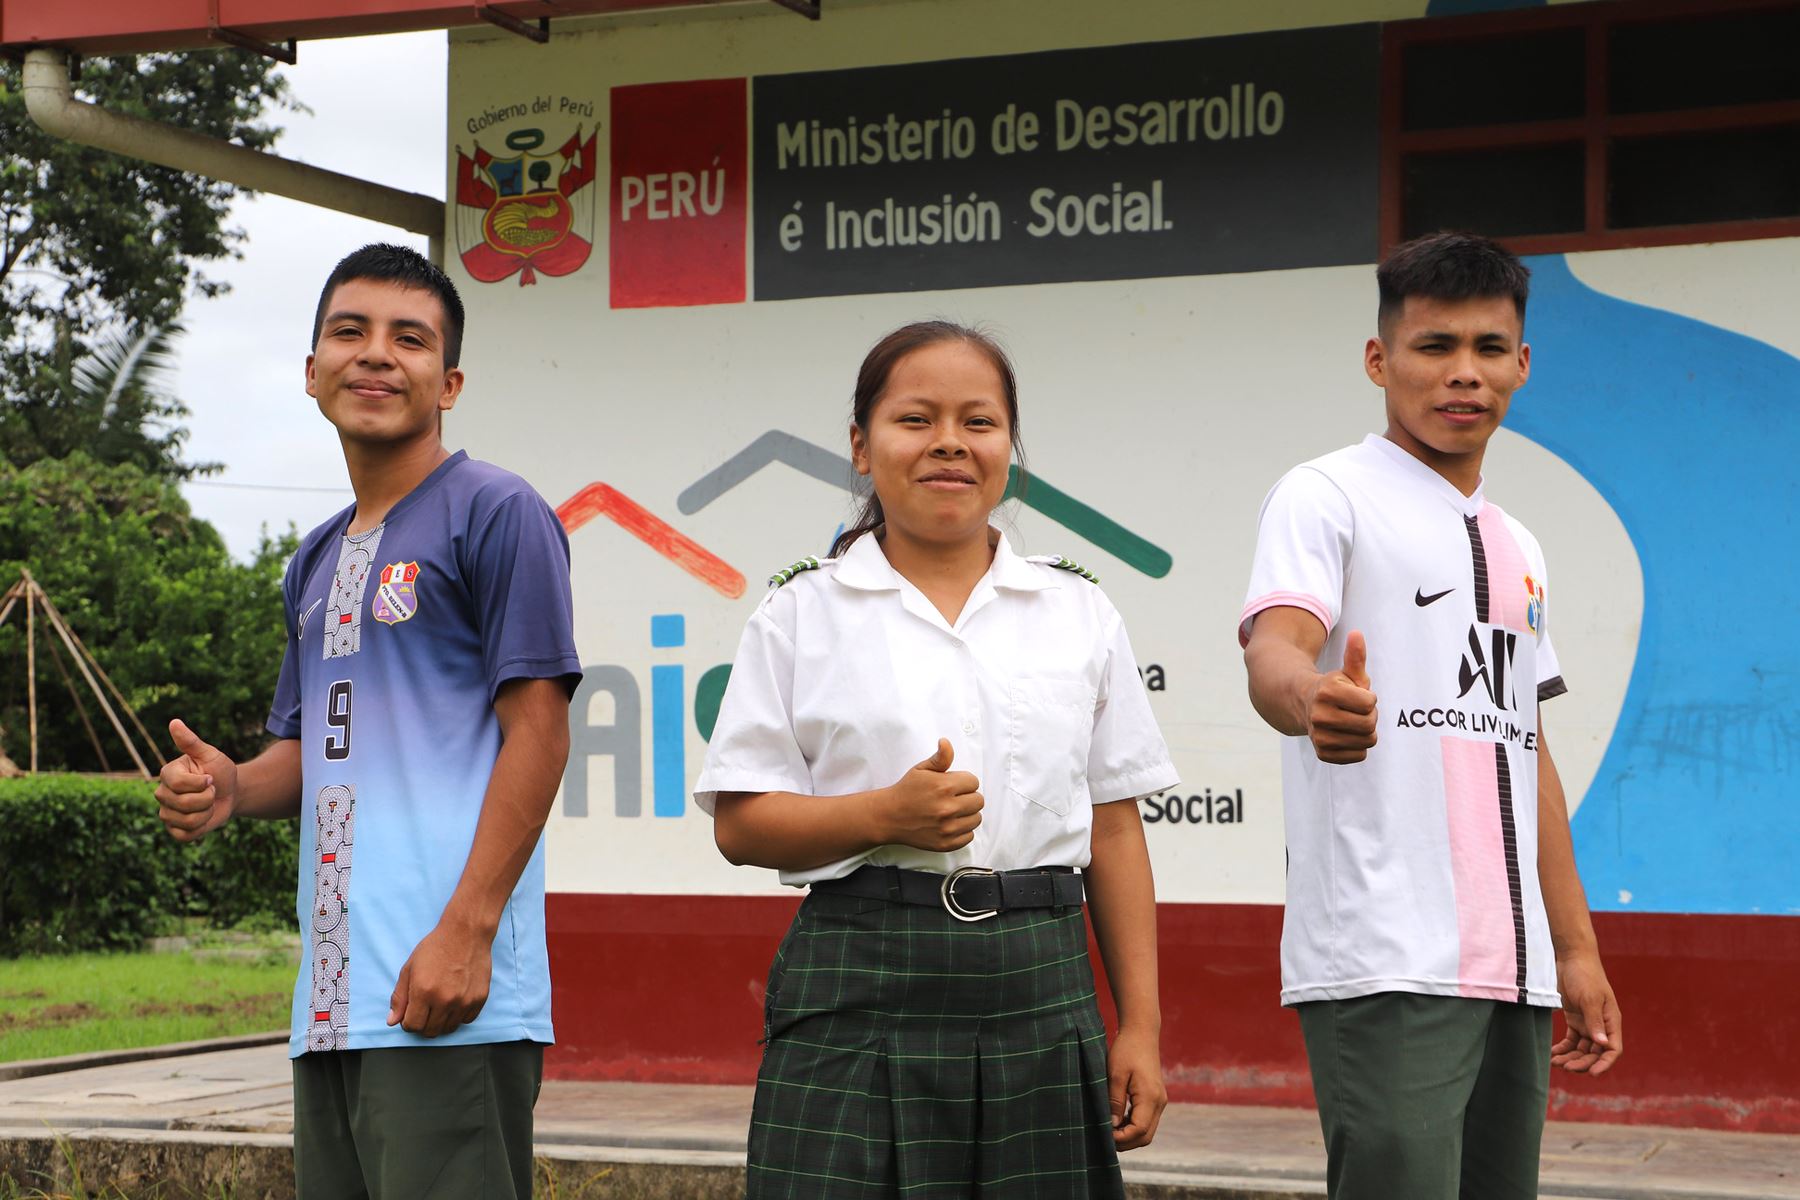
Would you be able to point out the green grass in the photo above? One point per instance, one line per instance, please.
(12, 1189)
(84, 1002)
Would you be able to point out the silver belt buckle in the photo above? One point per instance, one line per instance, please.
(948, 892)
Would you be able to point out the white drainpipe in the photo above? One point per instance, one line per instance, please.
(49, 101)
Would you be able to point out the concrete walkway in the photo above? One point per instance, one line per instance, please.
(227, 1115)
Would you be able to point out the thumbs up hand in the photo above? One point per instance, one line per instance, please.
(931, 807)
(1341, 717)
(1356, 659)
(198, 789)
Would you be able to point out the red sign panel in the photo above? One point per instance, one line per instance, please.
(680, 204)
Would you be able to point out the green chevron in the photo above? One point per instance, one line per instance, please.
(1096, 527)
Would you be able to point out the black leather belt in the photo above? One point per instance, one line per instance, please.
(968, 893)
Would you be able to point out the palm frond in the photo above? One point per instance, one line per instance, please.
(133, 359)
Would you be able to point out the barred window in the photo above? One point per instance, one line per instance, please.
(1595, 126)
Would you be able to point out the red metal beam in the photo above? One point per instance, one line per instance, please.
(136, 26)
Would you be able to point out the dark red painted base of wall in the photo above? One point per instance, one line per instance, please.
(670, 988)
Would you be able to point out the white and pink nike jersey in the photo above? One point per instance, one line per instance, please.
(1416, 869)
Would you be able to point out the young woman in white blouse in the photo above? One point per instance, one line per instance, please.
(944, 742)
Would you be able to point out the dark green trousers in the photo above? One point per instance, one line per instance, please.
(1429, 1097)
(411, 1123)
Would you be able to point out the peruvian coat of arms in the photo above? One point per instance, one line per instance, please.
(527, 213)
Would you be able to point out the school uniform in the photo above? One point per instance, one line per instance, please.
(909, 1048)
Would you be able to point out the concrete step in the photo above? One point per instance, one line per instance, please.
(259, 1166)
(225, 1116)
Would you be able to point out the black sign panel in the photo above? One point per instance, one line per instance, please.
(1246, 153)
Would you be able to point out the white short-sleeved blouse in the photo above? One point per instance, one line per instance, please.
(847, 676)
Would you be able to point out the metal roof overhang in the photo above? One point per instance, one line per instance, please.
(44, 35)
(92, 27)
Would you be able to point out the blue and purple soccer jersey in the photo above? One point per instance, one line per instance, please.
(398, 641)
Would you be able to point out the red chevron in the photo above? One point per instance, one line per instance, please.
(600, 499)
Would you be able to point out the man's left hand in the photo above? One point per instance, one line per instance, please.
(1595, 1037)
(444, 984)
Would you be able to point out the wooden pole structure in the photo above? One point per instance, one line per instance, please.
(81, 664)
(7, 603)
(77, 647)
(31, 669)
(80, 708)
(28, 590)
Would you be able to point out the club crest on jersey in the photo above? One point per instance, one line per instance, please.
(397, 595)
(1534, 603)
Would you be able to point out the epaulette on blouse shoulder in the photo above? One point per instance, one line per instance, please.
(809, 563)
(1064, 564)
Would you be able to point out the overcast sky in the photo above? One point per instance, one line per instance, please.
(378, 113)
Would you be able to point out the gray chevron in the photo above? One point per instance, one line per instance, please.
(772, 447)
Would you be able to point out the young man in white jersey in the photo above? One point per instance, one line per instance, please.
(1396, 629)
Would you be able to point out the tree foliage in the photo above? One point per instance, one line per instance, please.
(117, 407)
(92, 243)
(89, 867)
(98, 254)
(182, 628)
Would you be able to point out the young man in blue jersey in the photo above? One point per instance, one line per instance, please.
(421, 719)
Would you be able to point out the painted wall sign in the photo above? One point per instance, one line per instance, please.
(678, 198)
(527, 206)
(1245, 153)
(1181, 341)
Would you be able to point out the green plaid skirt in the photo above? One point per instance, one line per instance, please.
(910, 1054)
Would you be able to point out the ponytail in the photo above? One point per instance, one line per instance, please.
(868, 520)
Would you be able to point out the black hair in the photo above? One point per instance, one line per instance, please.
(871, 382)
(1451, 266)
(406, 267)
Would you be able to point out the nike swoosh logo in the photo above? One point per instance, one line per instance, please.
(301, 632)
(1421, 599)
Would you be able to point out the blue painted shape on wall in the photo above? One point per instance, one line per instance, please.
(668, 741)
(1692, 434)
(668, 629)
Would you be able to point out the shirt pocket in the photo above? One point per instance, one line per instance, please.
(1050, 725)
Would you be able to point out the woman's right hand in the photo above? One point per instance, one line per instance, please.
(931, 807)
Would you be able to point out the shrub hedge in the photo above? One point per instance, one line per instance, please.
(85, 865)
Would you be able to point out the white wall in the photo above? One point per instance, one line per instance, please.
(1170, 405)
